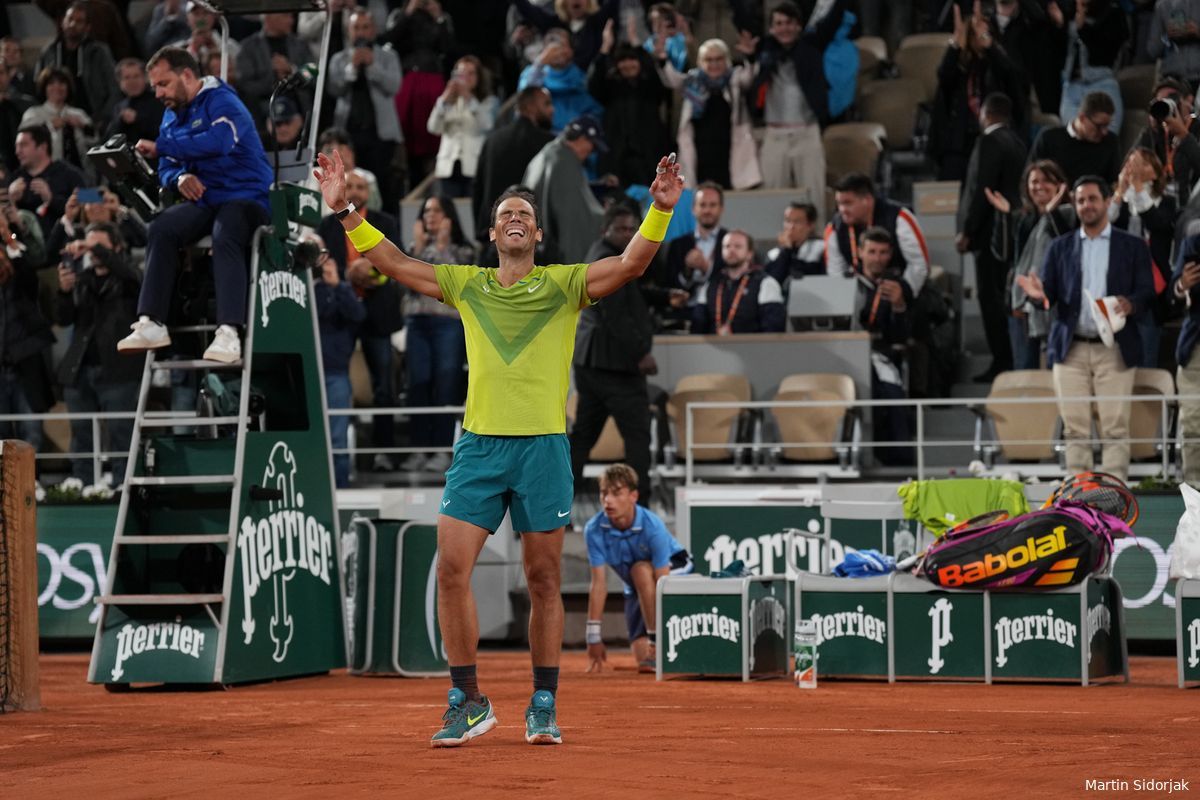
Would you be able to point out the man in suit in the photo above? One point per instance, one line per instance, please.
(694, 257)
(380, 297)
(507, 152)
(612, 359)
(1105, 262)
(1186, 287)
(996, 164)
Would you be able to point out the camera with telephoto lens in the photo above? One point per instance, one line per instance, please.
(307, 256)
(1165, 107)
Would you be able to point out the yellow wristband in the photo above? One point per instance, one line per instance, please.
(654, 226)
(364, 236)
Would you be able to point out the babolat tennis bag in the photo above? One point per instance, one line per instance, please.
(1053, 547)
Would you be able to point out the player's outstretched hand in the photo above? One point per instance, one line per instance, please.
(597, 657)
(668, 184)
(331, 174)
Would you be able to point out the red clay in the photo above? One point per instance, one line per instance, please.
(624, 734)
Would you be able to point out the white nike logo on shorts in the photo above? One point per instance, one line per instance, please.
(566, 513)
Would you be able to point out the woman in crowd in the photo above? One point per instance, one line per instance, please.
(435, 346)
(463, 115)
(585, 19)
(1020, 240)
(1139, 205)
(71, 130)
(715, 140)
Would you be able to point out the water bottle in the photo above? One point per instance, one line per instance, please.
(806, 654)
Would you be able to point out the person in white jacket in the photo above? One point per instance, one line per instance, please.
(365, 77)
(463, 116)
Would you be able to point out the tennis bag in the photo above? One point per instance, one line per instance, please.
(1048, 548)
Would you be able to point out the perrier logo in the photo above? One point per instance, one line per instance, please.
(551, 299)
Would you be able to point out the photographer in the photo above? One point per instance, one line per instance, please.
(1173, 133)
(339, 315)
(209, 155)
(86, 206)
(97, 293)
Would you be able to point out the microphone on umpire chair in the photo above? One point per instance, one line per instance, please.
(305, 75)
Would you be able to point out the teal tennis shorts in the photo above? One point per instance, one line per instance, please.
(527, 475)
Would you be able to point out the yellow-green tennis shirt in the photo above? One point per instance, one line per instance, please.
(520, 341)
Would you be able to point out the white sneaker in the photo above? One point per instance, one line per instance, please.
(147, 335)
(226, 346)
(383, 463)
(438, 462)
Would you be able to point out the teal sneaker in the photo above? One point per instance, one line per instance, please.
(464, 720)
(540, 724)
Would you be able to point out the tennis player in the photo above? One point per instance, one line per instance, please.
(513, 456)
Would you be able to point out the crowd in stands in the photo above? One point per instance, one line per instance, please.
(577, 100)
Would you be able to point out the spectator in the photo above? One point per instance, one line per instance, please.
(88, 62)
(71, 130)
(41, 184)
(339, 315)
(338, 139)
(567, 83)
(209, 155)
(669, 33)
(628, 537)
(1094, 40)
(168, 24)
(1175, 38)
(268, 57)
(138, 114)
(108, 22)
(25, 336)
(1022, 29)
(715, 139)
(1105, 263)
(585, 19)
(105, 208)
(381, 297)
(858, 209)
(365, 78)
(202, 38)
(436, 344)
(1141, 207)
(997, 161)
(1175, 139)
(739, 299)
(462, 116)
(800, 252)
(612, 359)
(422, 34)
(21, 79)
(507, 151)
(1185, 284)
(22, 223)
(790, 80)
(623, 79)
(891, 20)
(97, 293)
(882, 309)
(973, 69)
(1086, 145)
(694, 257)
(1020, 241)
(13, 105)
(284, 126)
(557, 178)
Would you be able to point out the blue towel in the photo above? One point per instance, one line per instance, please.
(864, 564)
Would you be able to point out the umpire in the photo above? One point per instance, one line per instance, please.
(612, 359)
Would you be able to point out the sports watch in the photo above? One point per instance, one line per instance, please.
(345, 212)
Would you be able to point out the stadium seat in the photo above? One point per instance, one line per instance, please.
(825, 427)
(875, 46)
(921, 62)
(710, 426)
(610, 446)
(1137, 85)
(852, 147)
(893, 104)
(1146, 416)
(1023, 431)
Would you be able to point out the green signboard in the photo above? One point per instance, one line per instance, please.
(1036, 635)
(147, 646)
(72, 547)
(418, 648)
(939, 634)
(851, 619)
(768, 627)
(1188, 642)
(701, 634)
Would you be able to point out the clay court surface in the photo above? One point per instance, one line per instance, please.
(624, 735)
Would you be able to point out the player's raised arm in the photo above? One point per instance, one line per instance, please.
(383, 255)
(609, 274)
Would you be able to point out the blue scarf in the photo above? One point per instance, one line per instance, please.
(698, 87)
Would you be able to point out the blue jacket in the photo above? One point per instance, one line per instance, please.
(214, 138)
(568, 90)
(1190, 335)
(1128, 275)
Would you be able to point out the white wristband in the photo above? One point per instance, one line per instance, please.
(593, 632)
